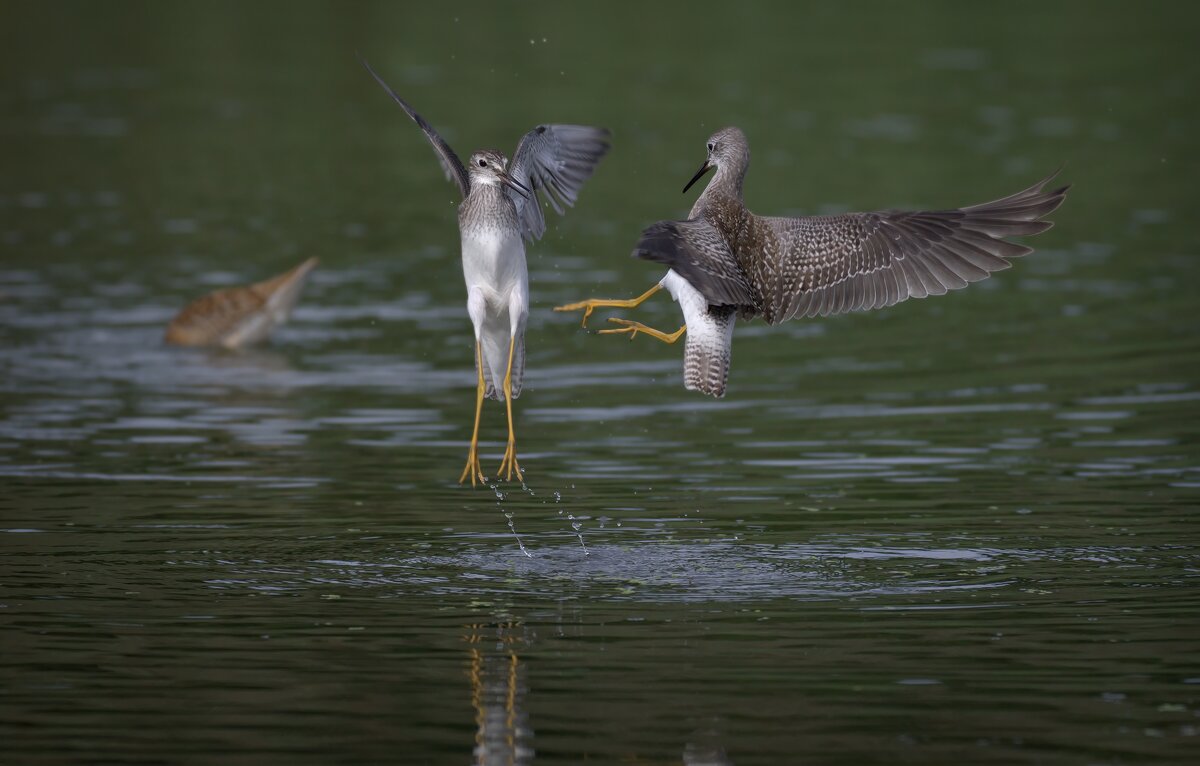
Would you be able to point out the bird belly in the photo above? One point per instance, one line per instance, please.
(701, 322)
(695, 307)
(495, 263)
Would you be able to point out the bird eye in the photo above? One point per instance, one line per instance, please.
(711, 146)
(483, 163)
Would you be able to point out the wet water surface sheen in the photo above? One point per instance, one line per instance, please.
(961, 530)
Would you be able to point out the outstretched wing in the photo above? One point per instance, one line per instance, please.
(450, 163)
(833, 264)
(556, 160)
(696, 251)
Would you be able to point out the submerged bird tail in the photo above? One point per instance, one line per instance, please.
(708, 351)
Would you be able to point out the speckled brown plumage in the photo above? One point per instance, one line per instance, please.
(784, 268)
(781, 268)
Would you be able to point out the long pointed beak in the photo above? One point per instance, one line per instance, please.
(516, 185)
(707, 166)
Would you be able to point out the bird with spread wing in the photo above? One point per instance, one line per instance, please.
(724, 261)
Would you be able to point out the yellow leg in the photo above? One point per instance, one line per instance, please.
(473, 470)
(509, 463)
(591, 304)
(633, 328)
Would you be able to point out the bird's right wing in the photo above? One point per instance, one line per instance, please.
(451, 164)
(696, 251)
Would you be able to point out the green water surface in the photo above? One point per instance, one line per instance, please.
(963, 530)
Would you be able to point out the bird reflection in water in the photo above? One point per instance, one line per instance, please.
(498, 689)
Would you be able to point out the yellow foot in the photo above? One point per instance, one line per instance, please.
(509, 463)
(473, 470)
(591, 304)
(587, 307)
(633, 328)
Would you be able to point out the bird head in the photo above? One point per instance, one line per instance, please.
(490, 168)
(727, 148)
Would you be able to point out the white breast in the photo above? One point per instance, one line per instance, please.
(494, 261)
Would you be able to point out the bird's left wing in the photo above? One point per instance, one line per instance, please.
(696, 251)
(556, 160)
(451, 164)
(856, 261)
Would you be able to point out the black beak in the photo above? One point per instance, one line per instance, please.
(707, 166)
(516, 185)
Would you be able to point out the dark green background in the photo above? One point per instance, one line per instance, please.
(962, 530)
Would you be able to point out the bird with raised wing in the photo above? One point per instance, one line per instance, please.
(500, 211)
(725, 262)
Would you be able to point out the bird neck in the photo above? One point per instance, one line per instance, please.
(723, 193)
(726, 183)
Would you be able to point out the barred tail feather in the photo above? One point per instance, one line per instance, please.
(707, 353)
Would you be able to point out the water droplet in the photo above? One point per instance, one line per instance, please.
(512, 527)
(578, 527)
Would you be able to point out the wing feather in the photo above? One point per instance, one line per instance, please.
(450, 162)
(696, 251)
(860, 261)
(554, 161)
